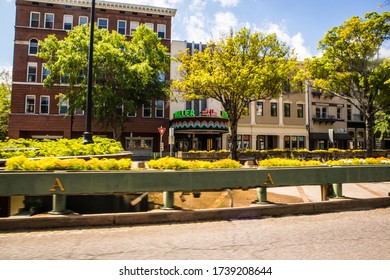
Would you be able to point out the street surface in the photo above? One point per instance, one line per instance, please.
(356, 235)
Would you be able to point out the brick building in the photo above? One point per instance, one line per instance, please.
(35, 110)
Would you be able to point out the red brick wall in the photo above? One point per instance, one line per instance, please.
(25, 125)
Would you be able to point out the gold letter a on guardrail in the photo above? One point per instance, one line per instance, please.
(57, 183)
(269, 180)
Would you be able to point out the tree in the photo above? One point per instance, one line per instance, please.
(5, 102)
(382, 118)
(236, 70)
(126, 74)
(350, 68)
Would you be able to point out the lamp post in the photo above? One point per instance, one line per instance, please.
(88, 131)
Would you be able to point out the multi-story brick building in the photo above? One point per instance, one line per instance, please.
(35, 110)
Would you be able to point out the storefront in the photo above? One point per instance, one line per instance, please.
(199, 132)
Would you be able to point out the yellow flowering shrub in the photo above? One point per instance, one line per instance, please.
(51, 163)
(177, 164)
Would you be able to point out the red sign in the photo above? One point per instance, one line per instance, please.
(161, 130)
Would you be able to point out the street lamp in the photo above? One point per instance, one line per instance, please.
(88, 131)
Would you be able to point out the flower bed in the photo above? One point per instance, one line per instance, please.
(51, 163)
(177, 164)
(32, 148)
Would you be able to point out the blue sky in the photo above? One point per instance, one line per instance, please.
(300, 23)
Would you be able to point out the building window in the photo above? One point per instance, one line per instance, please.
(79, 111)
(34, 19)
(133, 26)
(102, 23)
(300, 110)
(287, 110)
(198, 106)
(83, 20)
(63, 106)
(65, 79)
(147, 110)
(150, 26)
(339, 113)
(68, 22)
(261, 142)
(131, 113)
(49, 21)
(33, 47)
(159, 109)
(161, 31)
(30, 104)
(349, 112)
(45, 73)
(274, 109)
(44, 105)
(121, 29)
(260, 108)
(32, 72)
(321, 112)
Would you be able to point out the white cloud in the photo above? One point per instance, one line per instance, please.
(222, 23)
(228, 3)
(197, 5)
(195, 28)
(296, 41)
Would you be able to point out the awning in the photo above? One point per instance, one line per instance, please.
(325, 136)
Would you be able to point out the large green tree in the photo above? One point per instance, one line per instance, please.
(235, 70)
(351, 69)
(126, 73)
(5, 102)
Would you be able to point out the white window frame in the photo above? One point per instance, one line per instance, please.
(43, 72)
(121, 21)
(98, 23)
(28, 105)
(63, 104)
(52, 22)
(68, 19)
(260, 113)
(150, 25)
(158, 108)
(133, 26)
(30, 45)
(31, 18)
(48, 104)
(83, 17)
(164, 27)
(32, 65)
(150, 109)
(79, 112)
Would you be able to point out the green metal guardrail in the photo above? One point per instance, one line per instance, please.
(59, 184)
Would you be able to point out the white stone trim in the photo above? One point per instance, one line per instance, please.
(113, 6)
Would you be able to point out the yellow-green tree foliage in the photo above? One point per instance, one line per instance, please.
(350, 66)
(235, 70)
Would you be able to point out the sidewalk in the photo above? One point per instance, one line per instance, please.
(353, 191)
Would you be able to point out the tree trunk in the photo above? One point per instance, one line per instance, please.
(370, 138)
(233, 135)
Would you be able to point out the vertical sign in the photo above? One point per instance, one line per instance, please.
(161, 130)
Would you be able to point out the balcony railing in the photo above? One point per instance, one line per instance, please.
(324, 118)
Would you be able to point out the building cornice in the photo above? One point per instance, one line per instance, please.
(113, 6)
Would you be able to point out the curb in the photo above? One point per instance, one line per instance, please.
(183, 216)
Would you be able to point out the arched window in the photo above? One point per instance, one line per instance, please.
(33, 47)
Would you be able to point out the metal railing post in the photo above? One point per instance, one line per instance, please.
(59, 204)
(168, 200)
(262, 195)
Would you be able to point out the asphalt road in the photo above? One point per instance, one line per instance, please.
(357, 235)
